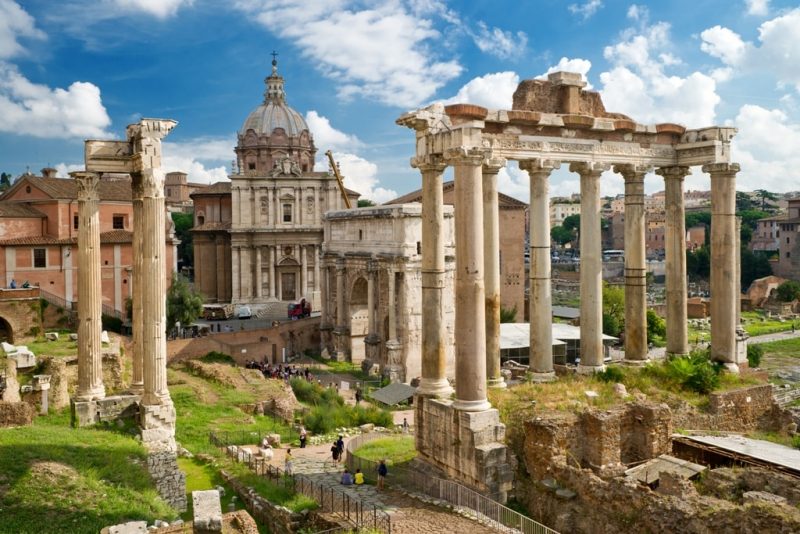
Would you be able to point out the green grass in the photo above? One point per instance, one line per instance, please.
(274, 492)
(754, 325)
(342, 368)
(395, 450)
(62, 347)
(54, 478)
(201, 476)
(327, 409)
(782, 347)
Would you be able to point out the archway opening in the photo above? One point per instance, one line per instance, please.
(6, 334)
(359, 320)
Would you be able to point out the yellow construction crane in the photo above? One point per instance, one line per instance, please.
(335, 168)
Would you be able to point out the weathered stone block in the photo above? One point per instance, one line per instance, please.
(207, 511)
(16, 413)
(116, 407)
(131, 527)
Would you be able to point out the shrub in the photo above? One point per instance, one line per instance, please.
(695, 372)
(754, 354)
(788, 291)
(610, 374)
(218, 357)
(329, 412)
(656, 326)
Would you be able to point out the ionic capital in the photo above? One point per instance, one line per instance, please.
(589, 168)
(87, 183)
(464, 155)
(677, 172)
(430, 163)
(632, 172)
(721, 170)
(539, 167)
(493, 164)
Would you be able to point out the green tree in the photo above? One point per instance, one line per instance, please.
(766, 196)
(184, 305)
(755, 265)
(613, 310)
(508, 315)
(743, 201)
(183, 231)
(788, 291)
(561, 235)
(656, 327)
(572, 223)
(698, 262)
(365, 203)
(5, 181)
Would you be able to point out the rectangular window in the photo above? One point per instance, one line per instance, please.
(287, 213)
(119, 222)
(75, 222)
(39, 258)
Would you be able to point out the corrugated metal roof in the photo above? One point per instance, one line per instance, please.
(393, 393)
(651, 470)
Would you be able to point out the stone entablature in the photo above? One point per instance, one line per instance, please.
(376, 252)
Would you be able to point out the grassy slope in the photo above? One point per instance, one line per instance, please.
(396, 450)
(57, 479)
(783, 348)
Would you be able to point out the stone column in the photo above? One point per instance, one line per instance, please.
(236, 290)
(316, 268)
(303, 272)
(90, 291)
(723, 263)
(395, 369)
(491, 265)
(340, 330)
(635, 264)
(470, 294)
(271, 260)
(372, 339)
(540, 300)
(675, 249)
(434, 364)
(592, 350)
(259, 281)
(137, 374)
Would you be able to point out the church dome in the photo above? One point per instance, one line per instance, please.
(274, 112)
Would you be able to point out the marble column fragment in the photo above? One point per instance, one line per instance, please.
(137, 374)
(675, 251)
(541, 300)
(723, 263)
(470, 293)
(491, 243)
(434, 364)
(592, 350)
(635, 264)
(90, 362)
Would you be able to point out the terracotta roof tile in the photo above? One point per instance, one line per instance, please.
(65, 188)
(416, 196)
(18, 209)
(217, 188)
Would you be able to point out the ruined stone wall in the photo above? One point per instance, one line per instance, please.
(739, 410)
(169, 480)
(105, 410)
(16, 413)
(280, 519)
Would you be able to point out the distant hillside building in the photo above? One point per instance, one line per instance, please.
(788, 265)
(39, 237)
(178, 190)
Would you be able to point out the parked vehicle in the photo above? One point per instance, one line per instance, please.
(217, 312)
(244, 312)
(299, 310)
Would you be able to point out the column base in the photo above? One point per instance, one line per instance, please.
(157, 423)
(435, 387)
(636, 363)
(590, 369)
(92, 394)
(539, 378)
(137, 389)
(472, 405)
(677, 354)
(731, 367)
(496, 383)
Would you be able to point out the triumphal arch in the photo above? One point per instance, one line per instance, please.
(552, 122)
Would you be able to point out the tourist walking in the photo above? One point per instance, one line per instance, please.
(358, 395)
(288, 462)
(335, 454)
(382, 472)
(405, 425)
(303, 437)
(340, 445)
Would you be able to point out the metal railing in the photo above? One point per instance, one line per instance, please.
(484, 509)
(55, 300)
(113, 312)
(329, 499)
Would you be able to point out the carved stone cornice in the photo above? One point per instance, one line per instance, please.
(87, 183)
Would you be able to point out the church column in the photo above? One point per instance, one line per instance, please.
(220, 280)
(434, 365)
(316, 268)
(723, 259)
(540, 300)
(90, 362)
(137, 376)
(259, 281)
(675, 253)
(303, 272)
(592, 350)
(491, 265)
(635, 264)
(470, 294)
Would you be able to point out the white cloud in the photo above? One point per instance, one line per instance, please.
(514, 182)
(63, 169)
(160, 9)
(498, 42)
(777, 51)
(637, 83)
(204, 159)
(766, 148)
(381, 53)
(33, 109)
(565, 64)
(359, 175)
(757, 7)
(15, 22)
(327, 137)
(493, 91)
(587, 9)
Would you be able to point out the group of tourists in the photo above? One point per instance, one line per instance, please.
(279, 371)
(357, 478)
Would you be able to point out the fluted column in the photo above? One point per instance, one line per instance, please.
(271, 260)
(675, 252)
(723, 263)
(303, 271)
(90, 362)
(259, 281)
(341, 320)
(635, 264)
(470, 292)
(540, 300)
(491, 264)
(316, 267)
(592, 351)
(434, 364)
(371, 340)
(154, 288)
(137, 378)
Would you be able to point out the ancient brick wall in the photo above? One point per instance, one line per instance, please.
(20, 309)
(739, 410)
(169, 480)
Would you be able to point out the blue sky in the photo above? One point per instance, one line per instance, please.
(76, 69)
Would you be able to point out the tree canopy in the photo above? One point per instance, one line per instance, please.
(183, 226)
(613, 310)
(561, 235)
(572, 222)
(184, 305)
(788, 291)
(365, 203)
